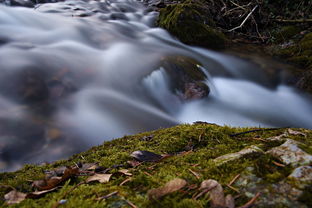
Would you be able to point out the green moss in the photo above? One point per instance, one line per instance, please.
(267, 170)
(306, 196)
(207, 141)
(188, 21)
(286, 33)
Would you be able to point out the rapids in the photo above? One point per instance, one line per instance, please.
(76, 73)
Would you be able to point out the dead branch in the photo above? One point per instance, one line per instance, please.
(293, 21)
(241, 25)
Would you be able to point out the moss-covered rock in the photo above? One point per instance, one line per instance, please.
(298, 52)
(194, 149)
(191, 23)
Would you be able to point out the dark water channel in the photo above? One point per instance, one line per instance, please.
(76, 73)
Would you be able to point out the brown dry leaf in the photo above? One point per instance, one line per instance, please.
(215, 191)
(52, 182)
(102, 178)
(38, 194)
(292, 132)
(125, 172)
(172, 186)
(14, 197)
(89, 166)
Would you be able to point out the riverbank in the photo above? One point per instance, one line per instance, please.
(265, 167)
(284, 33)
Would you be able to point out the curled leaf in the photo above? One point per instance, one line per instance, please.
(14, 197)
(102, 178)
(145, 156)
(172, 186)
(52, 182)
(38, 194)
(125, 172)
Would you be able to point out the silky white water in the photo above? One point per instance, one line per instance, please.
(76, 73)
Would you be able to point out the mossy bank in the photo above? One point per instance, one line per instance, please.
(198, 152)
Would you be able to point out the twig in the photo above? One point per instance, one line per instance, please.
(278, 164)
(125, 181)
(251, 202)
(108, 195)
(241, 25)
(292, 21)
(234, 179)
(256, 130)
(195, 174)
(131, 204)
(234, 189)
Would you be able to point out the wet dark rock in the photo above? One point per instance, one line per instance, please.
(23, 3)
(186, 78)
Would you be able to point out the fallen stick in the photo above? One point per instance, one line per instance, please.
(256, 130)
(292, 21)
(241, 25)
(251, 202)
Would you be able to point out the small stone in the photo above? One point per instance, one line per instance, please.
(234, 156)
(62, 201)
(290, 153)
(302, 174)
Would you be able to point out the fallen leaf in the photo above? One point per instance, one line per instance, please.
(89, 166)
(145, 156)
(292, 132)
(125, 172)
(52, 182)
(14, 197)
(102, 178)
(38, 194)
(172, 186)
(215, 192)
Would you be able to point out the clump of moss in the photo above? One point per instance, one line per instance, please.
(188, 21)
(285, 33)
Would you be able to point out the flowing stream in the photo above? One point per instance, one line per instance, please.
(76, 73)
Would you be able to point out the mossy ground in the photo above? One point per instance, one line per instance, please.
(207, 142)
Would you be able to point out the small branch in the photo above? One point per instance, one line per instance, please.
(292, 21)
(256, 130)
(234, 179)
(241, 25)
(251, 202)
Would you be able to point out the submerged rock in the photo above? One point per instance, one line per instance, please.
(186, 78)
